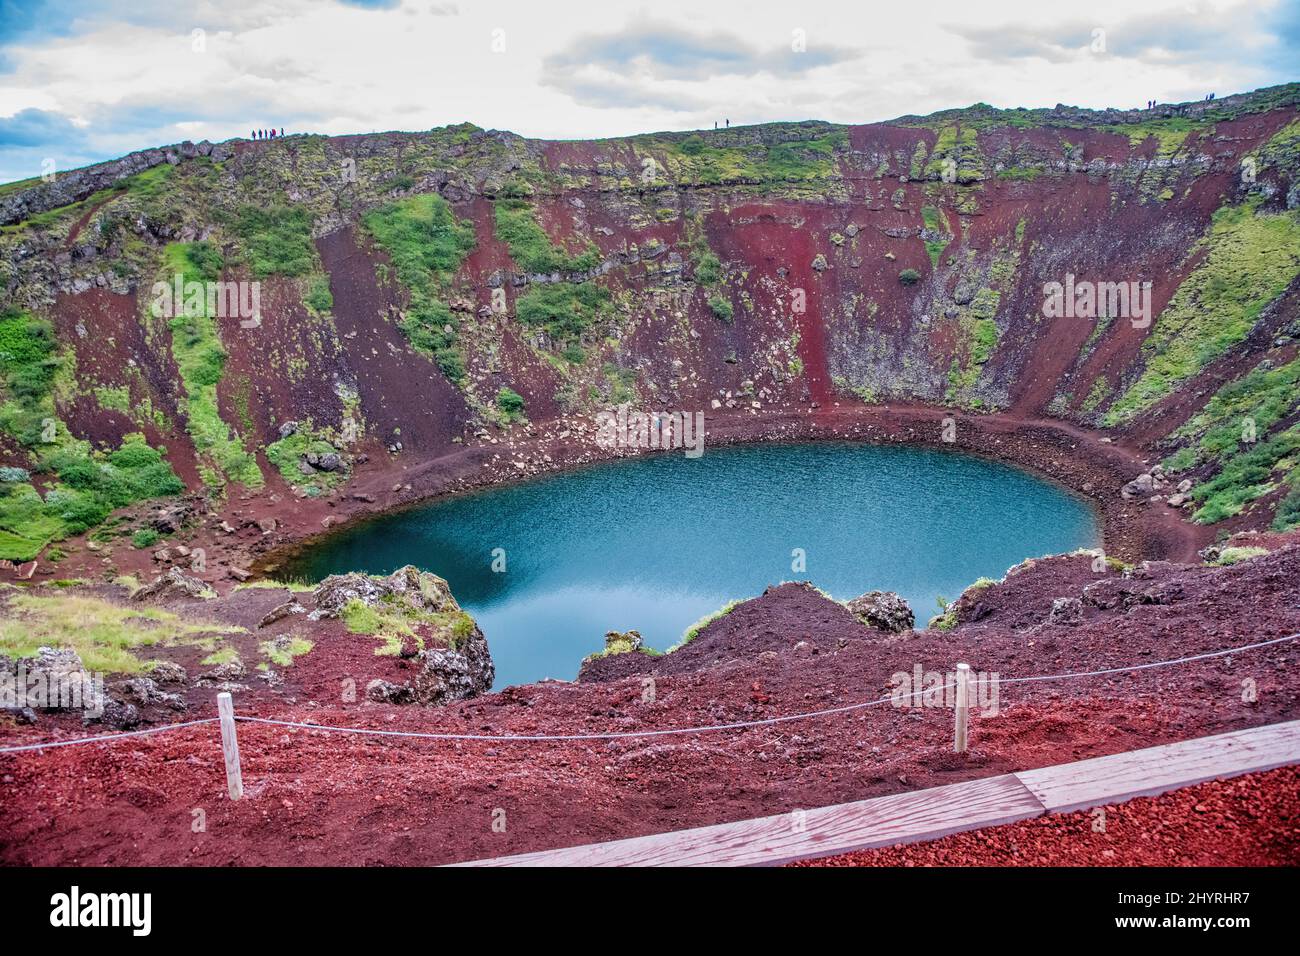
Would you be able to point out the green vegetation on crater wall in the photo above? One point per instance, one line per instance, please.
(1020, 173)
(319, 299)
(88, 485)
(1283, 147)
(956, 156)
(721, 308)
(1251, 257)
(564, 309)
(510, 404)
(201, 360)
(148, 184)
(1169, 132)
(1230, 434)
(276, 240)
(981, 335)
(286, 454)
(802, 159)
(935, 223)
(1287, 517)
(1248, 476)
(1253, 403)
(698, 160)
(427, 244)
(393, 621)
(531, 247)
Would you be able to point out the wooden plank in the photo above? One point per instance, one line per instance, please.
(1145, 773)
(898, 818)
(929, 814)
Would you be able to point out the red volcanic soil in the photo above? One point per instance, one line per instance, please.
(318, 797)
(1252, 820)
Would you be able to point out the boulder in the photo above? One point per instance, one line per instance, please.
(884, 611)
(421, 589)
(1140, 487)
(174, 584)
(281, 611)
(1066, 610)
(324, 461)
(117, 714)
(170, 519)
(167, 672)
(386, 692)
(145, 690)
(223, 673)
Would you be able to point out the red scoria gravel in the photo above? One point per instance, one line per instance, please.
(1253, 820)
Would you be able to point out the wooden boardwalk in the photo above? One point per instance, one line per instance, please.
(928, 814)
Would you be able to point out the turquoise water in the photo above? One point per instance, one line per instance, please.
(656, 543)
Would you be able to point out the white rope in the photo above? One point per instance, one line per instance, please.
(1142, 667)
(104, 738)
(544, 737)
(615, 735)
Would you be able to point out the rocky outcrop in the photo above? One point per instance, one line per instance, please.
(622, 642)
(454, 663)
(174, 584)
(408, 586)
(1153, 485)
(884, 611)
(56, 680)
(64, 188)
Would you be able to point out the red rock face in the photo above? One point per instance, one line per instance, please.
(810, 270)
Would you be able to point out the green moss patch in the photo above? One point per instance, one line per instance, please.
(564, 309)
(936, 224)
(427, 244)
(276, 240)
(283, 650)
(393, 620)
(692, 632)
(287, 455)
(1248, 476)
(1230, 556)
(87, 484)
(201, 359)
(531, 247)
(1251, 258)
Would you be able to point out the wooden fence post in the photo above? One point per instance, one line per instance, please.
(962, 711)
(230, 746)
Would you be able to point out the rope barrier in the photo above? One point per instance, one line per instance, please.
(1141, 667)
(612, 735)
(103, 738)
(615, 735)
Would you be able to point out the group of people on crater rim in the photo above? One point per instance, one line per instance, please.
(1151, 104)
(267, 133)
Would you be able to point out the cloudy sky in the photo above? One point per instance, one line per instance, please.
(86, 80)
